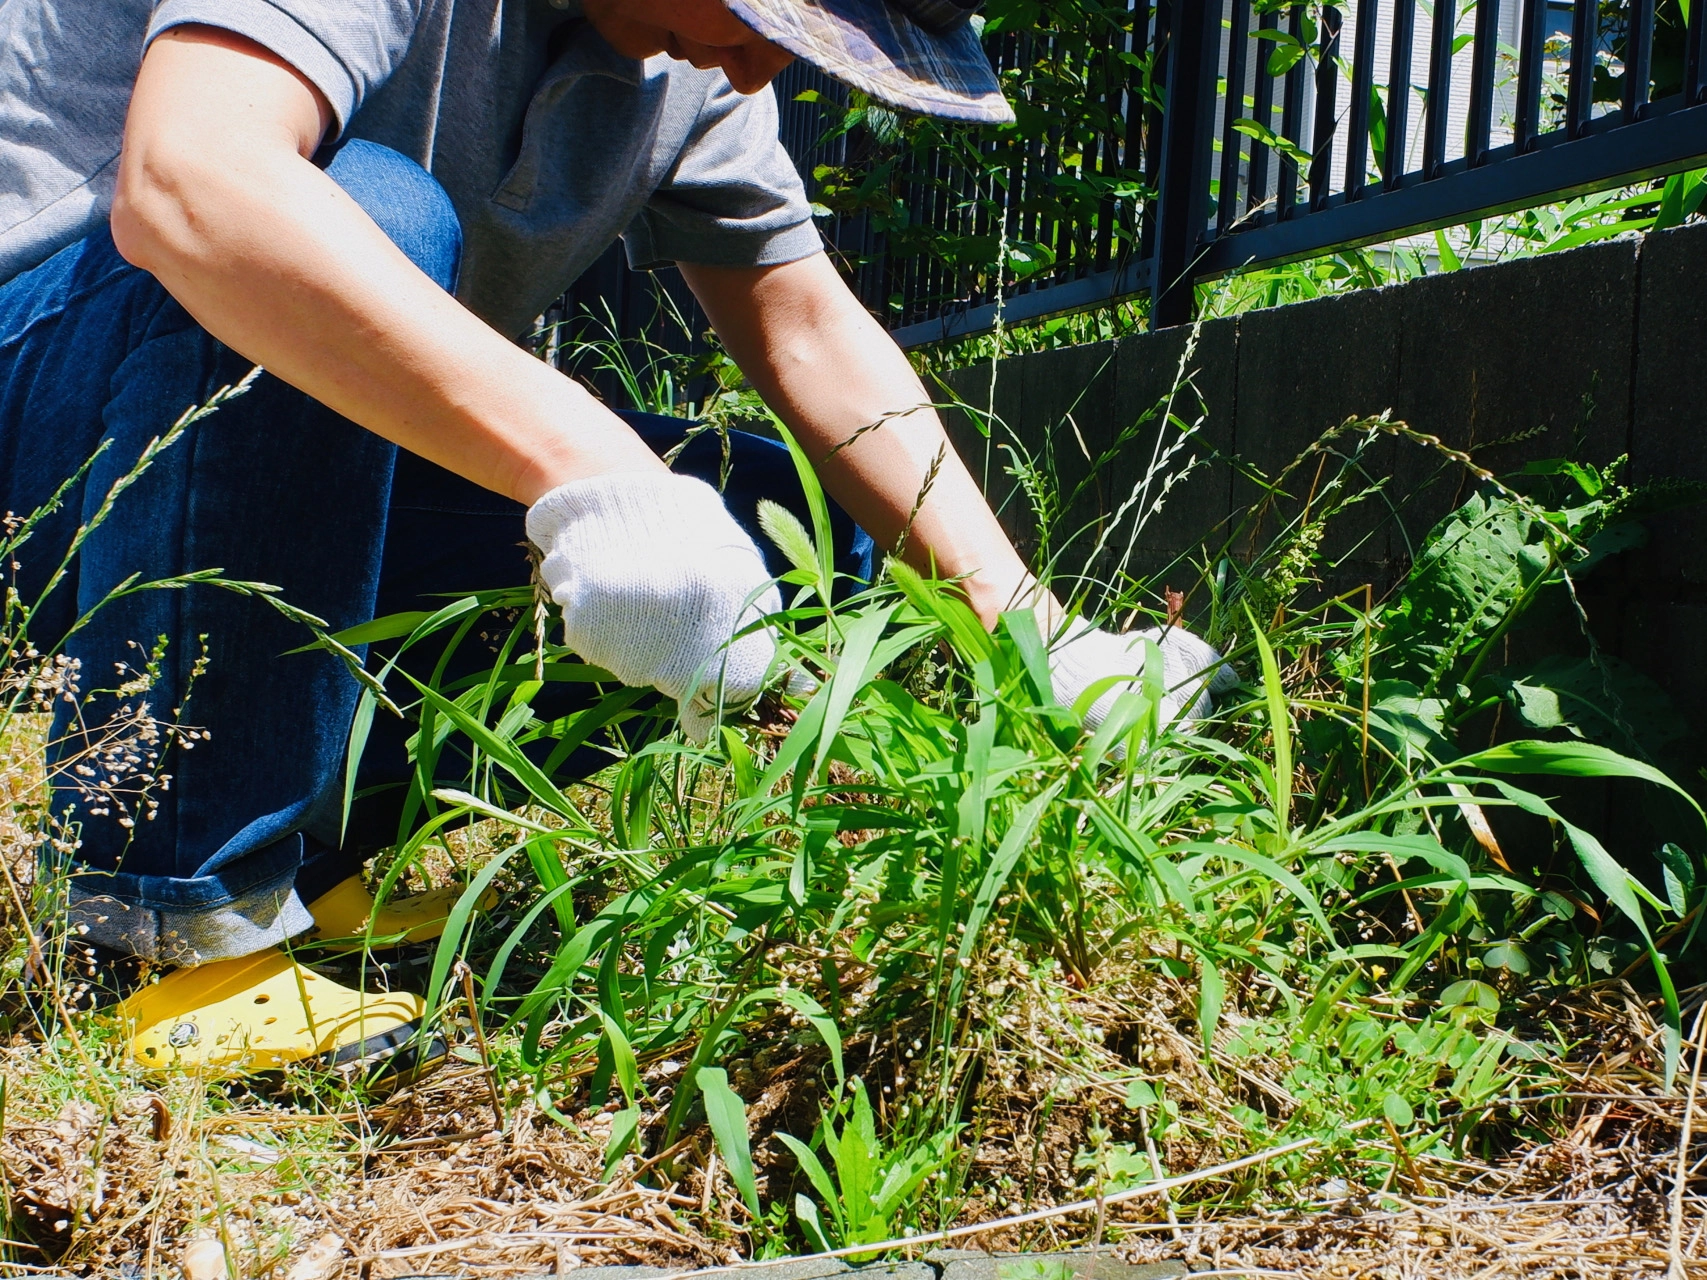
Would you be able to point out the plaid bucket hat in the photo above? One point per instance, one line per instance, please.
(918, 55)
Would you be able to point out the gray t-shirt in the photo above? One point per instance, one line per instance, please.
(550, 144)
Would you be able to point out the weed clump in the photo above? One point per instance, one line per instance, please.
(911, 952)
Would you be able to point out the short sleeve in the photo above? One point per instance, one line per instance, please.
(346, 48)
(733, 197)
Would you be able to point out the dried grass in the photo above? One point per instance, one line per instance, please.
(105, 1175)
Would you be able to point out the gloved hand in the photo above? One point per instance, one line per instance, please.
(653, 576)
(1088, 654)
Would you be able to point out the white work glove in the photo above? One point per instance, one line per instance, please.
(654, 577)
(1088, 654)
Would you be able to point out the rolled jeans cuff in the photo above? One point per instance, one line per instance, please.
(236, 911)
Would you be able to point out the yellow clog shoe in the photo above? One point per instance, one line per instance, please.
(264, 1012)
(342, 913)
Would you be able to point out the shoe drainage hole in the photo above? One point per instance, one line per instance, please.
(262, 998)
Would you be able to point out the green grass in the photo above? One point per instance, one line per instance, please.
(1317, 874)
(915, 949)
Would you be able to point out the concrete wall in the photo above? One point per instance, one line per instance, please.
(1589, 354)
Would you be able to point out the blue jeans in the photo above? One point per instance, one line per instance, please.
(272, 488)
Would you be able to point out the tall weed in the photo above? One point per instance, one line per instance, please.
(886, 864)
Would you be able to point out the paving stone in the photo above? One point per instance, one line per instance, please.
(898, 1270)
(1085, 1264)
(801, 1269)
(790, 1269)
(945, 1264)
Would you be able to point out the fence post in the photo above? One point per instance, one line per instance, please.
(1188, 128)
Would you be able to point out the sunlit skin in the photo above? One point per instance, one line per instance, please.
(702, 32)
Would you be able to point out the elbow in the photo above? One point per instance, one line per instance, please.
(152, 220)
(133, 234)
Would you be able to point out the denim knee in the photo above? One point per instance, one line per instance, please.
(406, 201)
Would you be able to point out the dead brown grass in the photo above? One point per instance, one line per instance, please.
(108, 1174)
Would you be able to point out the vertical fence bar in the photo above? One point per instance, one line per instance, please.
(1156, 93)
(937, 212)
(1161, 69)
(1478, 128)
(1327, 113)
(1132, 146)
(1238, 49)
(1262, 111)
(1291, 124)
(1579, 95)
(1108, 158)
(1399, 92)
(1367, 15)
(1638, 58)
(1437, 109)
(1045, 231)
(1695, 56)
(1188, 138)
(1532, 51)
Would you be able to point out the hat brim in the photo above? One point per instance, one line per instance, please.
(875, 48)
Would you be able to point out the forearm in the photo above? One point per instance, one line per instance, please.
(276, 261)
(829, 370)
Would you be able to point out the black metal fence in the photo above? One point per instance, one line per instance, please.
(1266, 131)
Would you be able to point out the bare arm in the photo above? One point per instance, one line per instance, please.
(218, 200)
(829, 369)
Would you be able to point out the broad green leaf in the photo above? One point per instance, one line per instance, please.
(1212, 991)
(1679, 871)
(1140, 1094)
(622, 1056)
(812, 1167)
(820, 1021)
(824, 542)
(1020, 626)
(810, 1226)
(727, 1116)
(624, 1125)
(1280, 726)
(1570, 760)
(1470, 992)
(1010, 851)
(853, 673)
(1400, 848)
(360, 726)
(1508, 956)
(1449, 259)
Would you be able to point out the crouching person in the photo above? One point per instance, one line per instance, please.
(371, 201)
